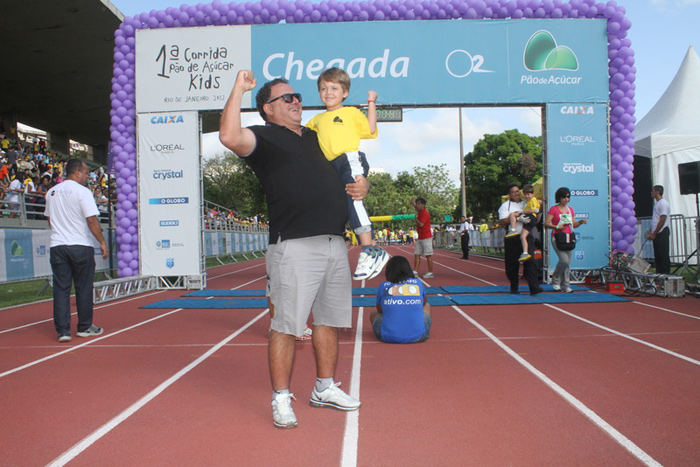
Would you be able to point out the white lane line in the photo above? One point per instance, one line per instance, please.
(621, 439)
(69, 455)
(352, 422)
(666, 309)
(88, 342)
(626, 336)
(75, 313)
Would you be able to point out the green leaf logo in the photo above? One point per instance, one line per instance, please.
(543, 53)
(16, 249)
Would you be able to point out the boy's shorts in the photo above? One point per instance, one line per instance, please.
(531, 224)
(424, 247)
(309, 275)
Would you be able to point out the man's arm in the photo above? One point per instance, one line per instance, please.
(239, 140)
(662, 220)
(94, 226)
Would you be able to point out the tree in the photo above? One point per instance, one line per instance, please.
(229, 181)
(434, 184)
(496, 162)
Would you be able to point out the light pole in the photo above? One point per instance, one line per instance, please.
(461, 166)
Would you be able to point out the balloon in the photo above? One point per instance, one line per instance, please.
(127, 272)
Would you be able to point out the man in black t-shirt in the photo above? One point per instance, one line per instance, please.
(307, 215)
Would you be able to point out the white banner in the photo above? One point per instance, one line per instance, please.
(169, 194)
(189, 68)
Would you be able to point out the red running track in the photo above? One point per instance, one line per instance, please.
(572, 384)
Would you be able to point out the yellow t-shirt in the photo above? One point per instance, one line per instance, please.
(340, 131)
(533, 204)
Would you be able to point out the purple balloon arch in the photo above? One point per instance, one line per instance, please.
(123, 114)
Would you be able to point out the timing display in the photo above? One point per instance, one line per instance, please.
(387, 114)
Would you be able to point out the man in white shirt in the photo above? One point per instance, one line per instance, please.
(16, 187)
(660, 231)
(513, 246)
(72, 214)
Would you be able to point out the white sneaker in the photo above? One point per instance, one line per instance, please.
(415, 273)
(512, 233)
(333, 398)
(380, 260)
(428, 275)
(282, 413)
(364, 267)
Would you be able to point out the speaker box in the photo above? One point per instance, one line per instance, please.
(689, 177)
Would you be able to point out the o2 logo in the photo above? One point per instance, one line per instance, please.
(460, 63)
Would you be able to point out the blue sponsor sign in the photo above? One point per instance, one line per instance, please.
(442, 62)
(577, 157)
(169, 201)
(19, 261)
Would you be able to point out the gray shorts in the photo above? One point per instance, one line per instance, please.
(309, 275)
(424, 247)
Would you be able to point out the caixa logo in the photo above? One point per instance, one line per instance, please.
(577, 110)
(158, 119)
(163, 244)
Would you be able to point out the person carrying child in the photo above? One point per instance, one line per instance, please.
(532, 208)
(339, 131)
(403, 313)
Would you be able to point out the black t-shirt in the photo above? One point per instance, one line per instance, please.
(305, 195)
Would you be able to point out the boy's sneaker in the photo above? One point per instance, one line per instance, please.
(368, 263)
(381, 258)
(64, 337)
(428, 275)
(415, 273)
(524, 257)
(282, 413)
(333, 398)
(91, 331)
(512, 233)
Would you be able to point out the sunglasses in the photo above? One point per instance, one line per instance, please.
(567, 196)
(288, 98)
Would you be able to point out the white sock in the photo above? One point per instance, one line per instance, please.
(323, 383)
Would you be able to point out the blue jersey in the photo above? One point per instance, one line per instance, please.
(402, 309)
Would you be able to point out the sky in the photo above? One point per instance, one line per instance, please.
(661, 33)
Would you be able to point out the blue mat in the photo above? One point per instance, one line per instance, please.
(218, 303)
(527, 299)
(261, 293)
(499, 288)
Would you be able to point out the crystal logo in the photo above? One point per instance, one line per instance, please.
(167, 119)
(576, 140)
(167, 174)
(580, 255)
(577, 110)
(170, 262)
(577, 167)
(542, 53)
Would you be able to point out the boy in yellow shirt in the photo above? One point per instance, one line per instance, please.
(532, 208)
(339, 131)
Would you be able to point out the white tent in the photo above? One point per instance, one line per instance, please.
(670, 133)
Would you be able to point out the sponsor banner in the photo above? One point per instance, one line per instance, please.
(220, 243)
(465, 62)
(578, 159)
(189, 68)
(169, 194)
(26, 254)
